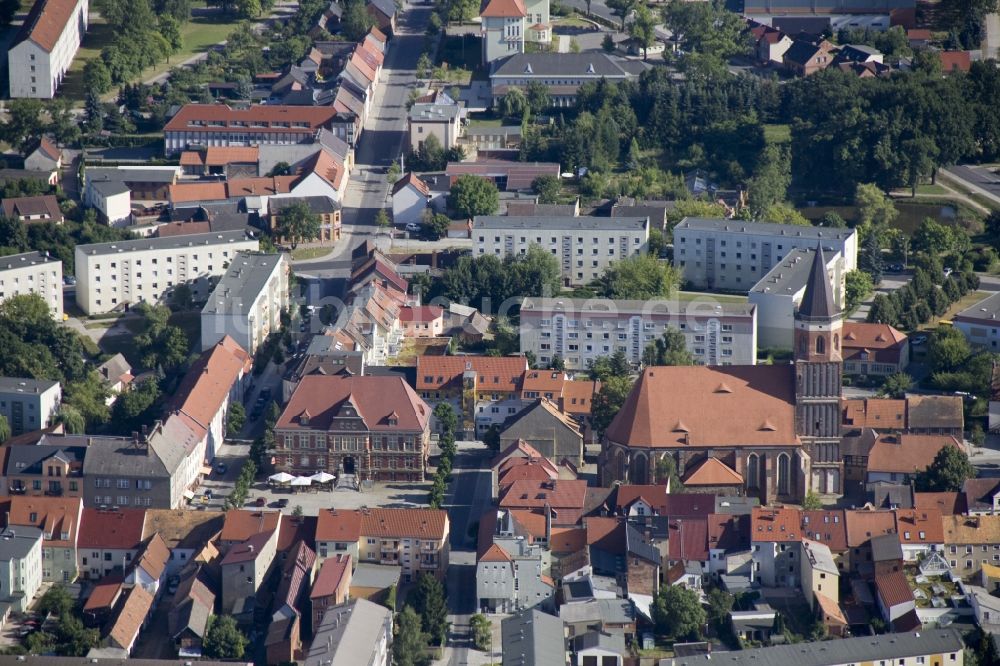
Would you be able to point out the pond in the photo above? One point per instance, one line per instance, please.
(911, 214)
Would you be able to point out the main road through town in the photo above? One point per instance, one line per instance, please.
(382, 141)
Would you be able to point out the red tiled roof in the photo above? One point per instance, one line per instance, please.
(777, 524)
(131, 616)
(948, 503)
(412, 179)
(531, 494)
(728, 532)
(493, 373)
(544, 382)
(324, 165)
(241, 524)
(906, 454)
(331, 573)
(503, 9)
(679, 406)
(294, 529)
(871, 336)
(862, 525)
(711, 472)
(955, 61)
(518, 449)
(45, 22)
(338, 525)
(225, 155)
(919, 526)
(874, 413)
(517, 469)
(567, 540)
(313, 117)
(46, 205)
(206, 386)
(495, 554)
(105, 593)
(421, 314)
(605, 533)
(384, 403)
(52, 515)
(578, 396)
(828, 527)
(531, 521)
(893, 589)
(249, 550)
(334, 525)
(49, 149)
(688, 540)
(111, 530)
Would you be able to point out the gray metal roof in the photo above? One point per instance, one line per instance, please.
(348, 634)
(609, 611)
(435, 112)
(121, 457)
(375, 575)
(318, 205)
(590, 65)
(17, 542)
(130, 175)
(558, 223)
(170, 242)
(843, 651)
(533, 638)
(601, 641)
(25, 385)
(790, 275)
(109, 188)
(244, 280)
(13, 261)
(597, 307)
(987, 309)
(763, 228)
(28, 459)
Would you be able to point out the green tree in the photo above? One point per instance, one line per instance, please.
(858, 285)
(96, 77)
(547, 188)
(665, 472)
(950, 469)
(668, 349)
(24, 122)
(183, 297)
(4, 429)
(876, 211)
(622, 9)
(136, 407)
(471, 196)
(409, 643)
(223, 638)
(608, 43)
(638, 277)
(297, 223)
(608, 402)
(811, 502)
(429, 602)
(74, 639)
(491, 437)
(514, 103)
(446, 419)
(783, 213)
(56, 601)
(642, 28)
(769, 184)
(70, 418)
(947, 349)
(537, 94)
(677, 613)
(720, 604)
(357, 22)
(833, 220)
(394, 172)
(707, 31)
(896, 385)
(436, 225)
(236, 418)
(382, 219)
(933, 237)
(482, 631)
(170, 28)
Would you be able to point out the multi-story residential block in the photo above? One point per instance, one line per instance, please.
(779, 293)
(920, 532)
(375, 428)
(357, 632)
(776, 535)
(20, 566)
(584, 246)
(935, 646)
(37, 469)
(414, 539)
(563, 73)
(507, 24)
(580, 331)
(112, 275)
(980, 323)
(247, 302)
(221, 125)
(28, 404)
(442, 121)
(43, 49)
(109, 540)
(33, 273)
(482, 389)
(59, 520)
(734, 255)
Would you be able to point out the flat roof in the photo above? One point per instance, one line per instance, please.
(17, 542)
(789, 276)
(433, 112)
(844, 651)
(763, 228)
(14, 261)
(170, 242)
(246, 277)
(987, 309)
(25, 385)
(666, 306)
(132, 174)
(560, 223)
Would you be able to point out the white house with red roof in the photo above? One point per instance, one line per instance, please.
(44, 47)
(508, 23)
(410, 198)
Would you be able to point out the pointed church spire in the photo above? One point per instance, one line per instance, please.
(817, 302)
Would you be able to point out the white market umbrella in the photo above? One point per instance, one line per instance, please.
(322, 477)
(301, 481)
(281, 477)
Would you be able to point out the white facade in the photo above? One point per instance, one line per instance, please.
(778, 294)
(247, 302)
(408, 205)
(981, 323)
(37, 64)
(20, 566)
(443, 121)
(111, 275)
(33, 273)
(584, 246)
(113, 202)
(28, 404)
(734, 255)
(580, 330)
(505, 29)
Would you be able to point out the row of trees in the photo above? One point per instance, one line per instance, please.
(447, 422)
(422, 622)
(241, 489)
(927, 295)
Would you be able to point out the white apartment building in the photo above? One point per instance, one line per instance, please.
(585, 246)
(45, 47)
(981, 323)
(247, 302)
(580, 330)
(28, 404)
(33, 273)
(20, 566)
(778, 294)
(733, 255)
(112, 275)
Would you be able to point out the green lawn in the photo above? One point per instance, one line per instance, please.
(572, 21)
(486, 122)
(966, 301)
(199, 34)
(929, 188)
(300, 253)
(777, 133)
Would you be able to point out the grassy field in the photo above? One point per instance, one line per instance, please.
(931, 189)
(199, 35)
(300, 253)
(777, 133)
(572, 21)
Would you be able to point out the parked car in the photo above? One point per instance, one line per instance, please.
(896, 268)
(413, 227)
(69, 280)
(220, 468)
(261, 501)
(283, 502)
(918, 339)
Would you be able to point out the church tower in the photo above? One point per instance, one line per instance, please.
(818, 368)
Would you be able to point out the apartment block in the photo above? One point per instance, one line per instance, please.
(33, 273)
(585, 246)
(20, 566)
(112, 275)
(43, 49)
(247, 302)
(28, 404)
(580, 330)
(733, 255)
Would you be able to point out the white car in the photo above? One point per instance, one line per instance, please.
(413, 227)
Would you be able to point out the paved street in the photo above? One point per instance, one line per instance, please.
(380, 143)
(980, 180)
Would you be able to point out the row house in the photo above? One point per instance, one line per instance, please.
(521, 461)
(915, 415)
(250, 542)
(108, 541)
(414, 539)
(59, 520)
(971, 543)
